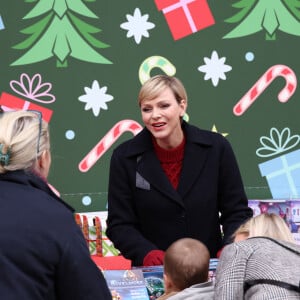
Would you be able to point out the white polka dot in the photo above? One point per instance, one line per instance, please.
(70, 134)
(249, 56)
(86, 200)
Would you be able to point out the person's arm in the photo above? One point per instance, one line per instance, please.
(230, 273)
(77, 276)
(122, 222)
(233, 202)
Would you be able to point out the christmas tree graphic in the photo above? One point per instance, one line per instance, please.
(265, 15)
(61, 33)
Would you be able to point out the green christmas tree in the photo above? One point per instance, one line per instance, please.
(267, 15)
(60, 33)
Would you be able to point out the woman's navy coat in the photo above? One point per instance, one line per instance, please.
(43, 254)
(146, 213)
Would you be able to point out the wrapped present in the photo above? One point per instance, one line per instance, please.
(92, 233)
(98, 242)
(283, 175)
(279, 207)
(9, 102)
(185, 17)
(295, 210)
(283, 172)
(254, 205)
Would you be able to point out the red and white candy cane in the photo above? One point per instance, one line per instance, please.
(263, 82)
(105, 143)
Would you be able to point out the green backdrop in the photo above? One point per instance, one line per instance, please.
(84, 61)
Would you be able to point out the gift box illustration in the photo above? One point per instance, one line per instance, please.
(32, 88)
(185, 17)
(9, 102)
(283, 172)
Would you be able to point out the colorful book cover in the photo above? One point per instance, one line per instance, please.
(126, 284)
(212, 269)
(153, 276)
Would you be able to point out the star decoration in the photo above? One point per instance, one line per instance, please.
(95, 98)
(214, 68)
(137, 25)
(214, 129)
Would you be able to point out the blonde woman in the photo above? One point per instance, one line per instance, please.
(264, 264)
(269, 225)
(43, 254)
(172, 180)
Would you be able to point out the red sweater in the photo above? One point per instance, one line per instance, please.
(171, 161)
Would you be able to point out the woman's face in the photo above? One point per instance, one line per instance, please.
(161, 116)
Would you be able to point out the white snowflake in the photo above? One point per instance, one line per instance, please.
(95, 98)
(137, 25)
(214, 68)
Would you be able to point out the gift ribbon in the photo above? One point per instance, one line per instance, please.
(184, 5)
(25, 107)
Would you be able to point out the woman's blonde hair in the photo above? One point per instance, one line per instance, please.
(24, 136)
(157, 84)
(269, 225)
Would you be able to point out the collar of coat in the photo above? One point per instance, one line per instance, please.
(31, 179)
(142, 141)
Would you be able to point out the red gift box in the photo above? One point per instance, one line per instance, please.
(185, 17)
(9, 102)
(112, 262)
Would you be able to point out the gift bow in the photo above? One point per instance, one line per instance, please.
(277, 143)
(33, 88)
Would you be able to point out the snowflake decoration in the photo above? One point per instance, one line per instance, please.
(137, 25)
(214, 68)
(95, 98)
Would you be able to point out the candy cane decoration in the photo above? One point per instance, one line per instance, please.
(105, 143)
(263, 82)
(155, 62)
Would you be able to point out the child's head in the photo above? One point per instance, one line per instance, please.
(186, 263)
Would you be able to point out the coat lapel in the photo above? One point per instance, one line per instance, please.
(193, 163)
(149, 168)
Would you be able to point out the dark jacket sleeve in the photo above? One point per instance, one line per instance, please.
(233, 202)
(122, 221)
(78, 277)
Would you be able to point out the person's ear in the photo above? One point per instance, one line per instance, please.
(168, 285)
(183, 105)
(44, 163)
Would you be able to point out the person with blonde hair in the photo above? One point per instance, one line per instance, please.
(186, 269)
(43, 254)
(172, 180)
(269, 225)
(262, 265)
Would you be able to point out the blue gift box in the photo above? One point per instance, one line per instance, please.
(283, 175)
